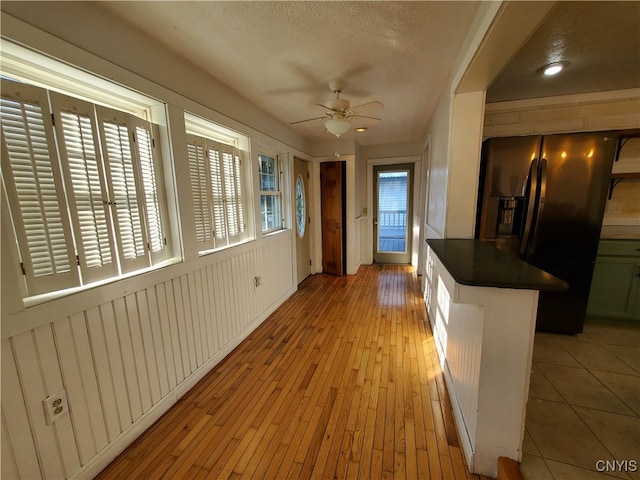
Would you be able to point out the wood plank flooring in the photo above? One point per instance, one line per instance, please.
(342, 381)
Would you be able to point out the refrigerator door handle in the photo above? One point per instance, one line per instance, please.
(540, 204)
(531, 193)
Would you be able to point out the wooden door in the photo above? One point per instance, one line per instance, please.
(331, 204)
(303, 220)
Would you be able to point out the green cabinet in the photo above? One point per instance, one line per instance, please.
(615, 287)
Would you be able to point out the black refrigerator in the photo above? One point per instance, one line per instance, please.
(543, 198)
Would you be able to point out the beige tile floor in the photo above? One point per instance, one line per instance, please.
(583, 413)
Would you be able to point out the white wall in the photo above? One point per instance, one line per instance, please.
(464, 165)
(126, 351)
(455, 131)
(438, 173)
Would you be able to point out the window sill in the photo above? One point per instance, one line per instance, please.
(34, 300)
(273, 233)
(203, 253)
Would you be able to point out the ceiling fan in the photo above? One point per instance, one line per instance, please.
(339, 114)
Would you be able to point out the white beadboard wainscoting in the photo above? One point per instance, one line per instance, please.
(124, 353)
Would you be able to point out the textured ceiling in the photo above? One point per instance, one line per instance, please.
(600, 40)
(283, 55)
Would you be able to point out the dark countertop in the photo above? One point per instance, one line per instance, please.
(475, 263)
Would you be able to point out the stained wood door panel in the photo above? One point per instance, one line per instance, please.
(332, 232)
(341, 381)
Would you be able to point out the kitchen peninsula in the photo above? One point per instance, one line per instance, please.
(482, 304)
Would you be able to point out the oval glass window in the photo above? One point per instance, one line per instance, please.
(301, 207)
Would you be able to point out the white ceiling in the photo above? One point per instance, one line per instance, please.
(283, 55)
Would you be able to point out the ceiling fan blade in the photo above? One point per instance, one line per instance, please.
(365, 116)
(367, 106)
(324, 106)
(308, 120)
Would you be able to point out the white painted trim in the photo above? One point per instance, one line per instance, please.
(581, 98)
(367, 254)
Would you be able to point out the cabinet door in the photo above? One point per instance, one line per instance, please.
(614, 288)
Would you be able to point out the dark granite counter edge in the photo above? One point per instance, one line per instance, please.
(479, 264)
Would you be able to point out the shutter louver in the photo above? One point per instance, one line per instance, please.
(239, 194)
(35, 189)
(230, 193)
(151, 189)
(121, 176)
(216, 177)
(86, 188)
(202, 215)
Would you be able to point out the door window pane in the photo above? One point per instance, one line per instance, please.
(301, 207)
(392, 211)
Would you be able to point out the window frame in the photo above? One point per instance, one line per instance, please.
(273, 194)
(56, 109)
(36, 284)
(220, 214)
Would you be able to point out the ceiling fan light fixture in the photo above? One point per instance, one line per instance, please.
(337, 125)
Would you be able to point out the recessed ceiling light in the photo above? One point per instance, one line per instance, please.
(552, 68)
(360, 129)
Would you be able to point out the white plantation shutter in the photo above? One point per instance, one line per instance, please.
(153, 189)
(239, 193)
(218, 195)
(85, 188)
(217, 200)
(85, 184)
(122, 170)
(34, 187)
(233, 193)
(200, 191)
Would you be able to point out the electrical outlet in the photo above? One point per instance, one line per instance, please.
(257, 281)
(55, 406)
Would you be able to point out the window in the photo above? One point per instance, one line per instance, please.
(270, 197)
(217, 187)
(86, 194)
(301, 207)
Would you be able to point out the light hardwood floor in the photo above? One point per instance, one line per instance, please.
(342, 381)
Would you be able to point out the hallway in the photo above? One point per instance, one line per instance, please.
(342, 381)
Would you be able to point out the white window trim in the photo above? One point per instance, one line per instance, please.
(278, 192)
(58, 278)
(217, 208)
(115, 269)
(37, 69)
